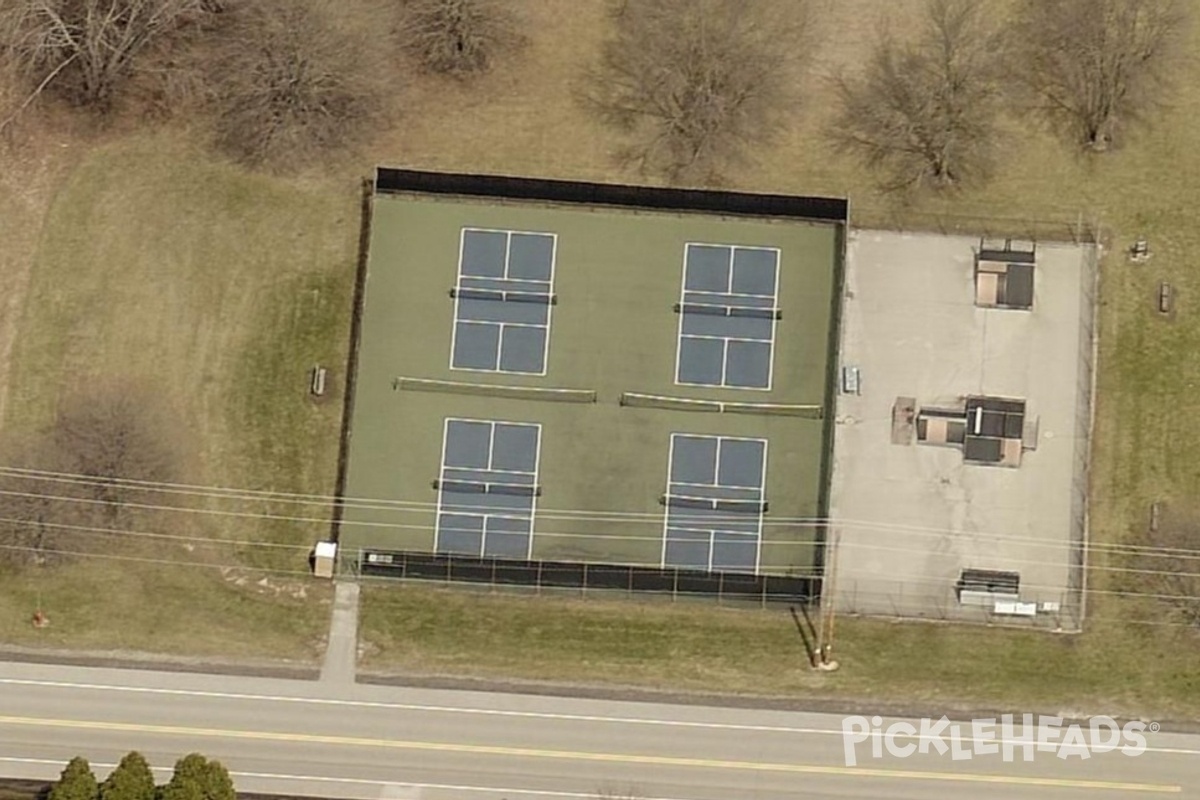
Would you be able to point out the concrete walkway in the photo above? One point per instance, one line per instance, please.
(341, 654)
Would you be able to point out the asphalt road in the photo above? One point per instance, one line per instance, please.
(380, 742)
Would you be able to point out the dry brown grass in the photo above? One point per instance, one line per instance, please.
(155, 260)
(35, 162)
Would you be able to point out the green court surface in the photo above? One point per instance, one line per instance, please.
(602, 466)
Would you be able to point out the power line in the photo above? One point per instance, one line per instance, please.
(219, 541)
(98, 531)
(306, 573)
(1034, 562)
(624, 536)
(426, 507)
(1178, 553)
(155, 561)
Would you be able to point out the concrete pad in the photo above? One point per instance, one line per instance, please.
(341, 654)
(908, 518)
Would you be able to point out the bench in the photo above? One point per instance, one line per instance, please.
(1166, 297)
(1139, 253)
(317, 385)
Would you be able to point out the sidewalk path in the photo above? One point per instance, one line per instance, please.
(341, 654)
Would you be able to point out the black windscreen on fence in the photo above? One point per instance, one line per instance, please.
(829, 209)
(566, 575)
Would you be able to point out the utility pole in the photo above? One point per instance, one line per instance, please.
(828, 595)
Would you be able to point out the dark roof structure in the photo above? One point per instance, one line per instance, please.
(1004, 275)
(990, 423)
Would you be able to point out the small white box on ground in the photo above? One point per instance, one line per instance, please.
(323, 559)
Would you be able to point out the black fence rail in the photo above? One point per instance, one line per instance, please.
(828, 209)
(731, 586)
(360, 289)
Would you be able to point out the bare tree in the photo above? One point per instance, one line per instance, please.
(1092, 66)
(695, 84)
(459, 37)
(62, 487)
(295, 81)
(117, 431)
(924, 112)
(88, 49)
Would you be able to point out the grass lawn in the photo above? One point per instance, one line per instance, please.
(179, 610)
(220, 289)
(697, 647)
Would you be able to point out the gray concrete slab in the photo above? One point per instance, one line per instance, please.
(341, 654)
(909, 518)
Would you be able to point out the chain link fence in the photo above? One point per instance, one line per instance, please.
(583, 578)
(1051, 226)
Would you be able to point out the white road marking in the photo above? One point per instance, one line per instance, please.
(433, 709)
(411, 707)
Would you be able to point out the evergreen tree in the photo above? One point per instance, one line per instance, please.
(77, 782)
(131, 780)
(197, 778)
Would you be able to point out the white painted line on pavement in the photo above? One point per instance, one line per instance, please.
(412, 707)
(669, 723)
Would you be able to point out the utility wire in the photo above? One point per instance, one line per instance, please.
(305, 573)
(427, 507)
(627, 536)
(548, 534)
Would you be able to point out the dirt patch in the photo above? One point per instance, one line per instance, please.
(267, 586)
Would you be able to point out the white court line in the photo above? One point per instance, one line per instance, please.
(352, 781)
(666, 723)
